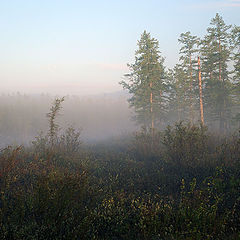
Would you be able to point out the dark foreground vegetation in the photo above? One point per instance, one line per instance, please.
(181, 183)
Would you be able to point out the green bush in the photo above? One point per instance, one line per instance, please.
(180, 184)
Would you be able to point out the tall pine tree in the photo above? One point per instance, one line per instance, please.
(215, 50)
(188, 62)
(236, 53)
(178, 94)
(145, 83)
(236, 72)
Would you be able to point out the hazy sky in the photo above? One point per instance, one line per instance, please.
(82, 47)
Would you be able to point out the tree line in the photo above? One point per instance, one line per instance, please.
(204, 86)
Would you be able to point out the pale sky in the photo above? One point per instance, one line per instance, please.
(82, 47)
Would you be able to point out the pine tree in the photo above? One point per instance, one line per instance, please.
(145, 83)
(200, 91)
(236, 72)
(236, 54)
(178, 105)
(215, 51)
(187, 54)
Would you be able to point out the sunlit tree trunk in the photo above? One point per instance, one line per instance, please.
(222, 111)
(191, 87)
(200, 91)
(151, 108)
(220, 66)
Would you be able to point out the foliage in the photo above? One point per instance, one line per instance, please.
(186, 145)
(146, 82)
(158, 96)
(53, 126)
(183, 185)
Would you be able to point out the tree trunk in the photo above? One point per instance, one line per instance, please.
(220, 66)
(200, 91)
(191, 86)
(222, 125)
(151, 108)
(160, 119)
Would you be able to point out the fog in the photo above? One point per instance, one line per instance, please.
(98, 117)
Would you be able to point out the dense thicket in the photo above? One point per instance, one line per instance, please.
(183, 184)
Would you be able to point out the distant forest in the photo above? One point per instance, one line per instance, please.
(98, 117)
